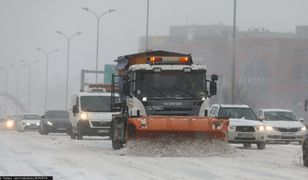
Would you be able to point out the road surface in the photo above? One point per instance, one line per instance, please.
(31, 154)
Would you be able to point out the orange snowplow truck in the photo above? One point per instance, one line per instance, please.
(163, 93)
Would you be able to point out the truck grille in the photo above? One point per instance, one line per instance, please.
(101, 124)
(287, 129)
(245, 129)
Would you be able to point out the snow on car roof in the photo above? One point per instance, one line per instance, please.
(281, 110)
(234, 105)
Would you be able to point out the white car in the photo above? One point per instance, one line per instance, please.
(28, 121)
(91, 114)
(244, 126)
(282, 125)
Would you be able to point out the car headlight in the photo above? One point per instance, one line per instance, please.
(83, 116)
(49, 123)
(38, 124)
(28, 124)
(9, 123)
(303, 128)
(269, 128)
(260, 128)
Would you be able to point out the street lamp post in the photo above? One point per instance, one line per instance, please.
(6, 71)
(29, 84)
(17, 80)
(233, 54)
(68, 38)
(147, 27)
(47, 54)
(98, 17)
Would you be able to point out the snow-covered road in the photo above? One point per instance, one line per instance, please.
(28, 153)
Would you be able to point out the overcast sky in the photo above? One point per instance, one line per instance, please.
(30, 24)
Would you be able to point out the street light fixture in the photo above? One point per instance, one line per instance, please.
(68, 38)
(98, 17)
(47, 54)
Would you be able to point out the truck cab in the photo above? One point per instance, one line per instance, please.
(91, 114)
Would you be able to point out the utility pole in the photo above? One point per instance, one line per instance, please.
(233, 55)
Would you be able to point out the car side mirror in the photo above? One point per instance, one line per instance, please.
(301, 120)
(261, 118)
(75, 110)
(42, 116)
(306, 105)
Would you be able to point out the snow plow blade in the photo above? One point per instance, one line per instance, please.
(139, 127)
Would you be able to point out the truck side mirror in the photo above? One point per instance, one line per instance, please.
(214, 77)
(126, 88)
(213, 88)
(306, 105)
(75, 109)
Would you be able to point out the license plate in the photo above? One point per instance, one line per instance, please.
(288, 134)
(102, 131)
(61, 129)
(245, 135)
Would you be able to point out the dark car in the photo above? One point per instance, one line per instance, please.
(305, 151)
(54, 121)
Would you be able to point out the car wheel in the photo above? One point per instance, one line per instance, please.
(79, 132)
(73, 135)
(305, 152)
(42, 130)
(261, 145)
(247, 145)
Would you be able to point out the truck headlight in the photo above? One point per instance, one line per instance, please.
(49, 123)
(83, 116)
(269, 128)
(303, 128)
(260, 128)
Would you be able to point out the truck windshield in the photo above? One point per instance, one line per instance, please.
(279, 116)
(31, 117)
(57, 115)
(171, 85)
(237, 113)
(95, 103)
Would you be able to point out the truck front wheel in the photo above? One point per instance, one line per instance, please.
(79, 132)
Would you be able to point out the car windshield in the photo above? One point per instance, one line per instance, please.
(237, 113)
(57, 115)
(171, 85)
(96, 103)
(279, 116)
(31, 117)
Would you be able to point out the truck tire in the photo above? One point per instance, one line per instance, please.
(79, 132)
(261, 145)
(116, 143)
(305, 152)
(247, 145)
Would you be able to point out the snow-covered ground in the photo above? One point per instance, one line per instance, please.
(28, 153)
